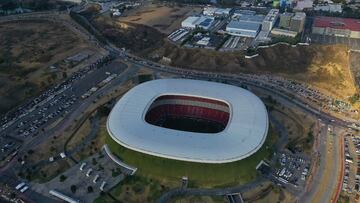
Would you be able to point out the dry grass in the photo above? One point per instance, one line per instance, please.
(134, 37)
(27, 49)
(281, 196)
(164, 18)
(327, 175)
(324, 67)
(80, 135)
(298, 125)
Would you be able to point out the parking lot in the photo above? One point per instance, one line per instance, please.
(54, 103)
(325, 39)
(351, 181)
(293, 169)
(90, 173)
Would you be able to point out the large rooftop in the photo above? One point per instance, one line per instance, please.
(234, 24)
(337, 23)
(244, 134)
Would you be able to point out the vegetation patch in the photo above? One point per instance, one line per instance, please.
(204, 175)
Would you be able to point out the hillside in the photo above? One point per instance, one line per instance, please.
(323, 66)
(326, 67)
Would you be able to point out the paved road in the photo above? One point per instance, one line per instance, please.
(209, 192)
(94, 125)
(325, 179)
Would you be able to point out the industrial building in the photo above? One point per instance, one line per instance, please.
(238, 13)
(246, 24)
(283, 32)
(193, 22)
(203, 41)
(243, 29)
(270, 20)
(341, 27)
(251, 18)
(285, 19)
(213, 11)
(297, 22)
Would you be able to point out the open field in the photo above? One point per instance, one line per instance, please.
(134, 37)
(27, 50)
(165, 18)
(204, 175)
(135, 189)
(276, 195)
(298, 126)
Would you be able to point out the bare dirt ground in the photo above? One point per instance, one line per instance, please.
(325, 67)
(134, 37)
(165, 18)
(27, 50)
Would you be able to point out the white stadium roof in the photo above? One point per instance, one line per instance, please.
(244, 134)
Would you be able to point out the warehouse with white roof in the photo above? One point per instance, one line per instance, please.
(243, 114)
(193, 22)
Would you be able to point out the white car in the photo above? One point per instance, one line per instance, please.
(24, 189)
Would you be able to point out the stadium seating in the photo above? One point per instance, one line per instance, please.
(161, 112)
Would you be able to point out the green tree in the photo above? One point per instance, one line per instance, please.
(90, 189)
(73, 188)
(62, 178)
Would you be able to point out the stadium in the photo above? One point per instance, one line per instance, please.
(189, 120)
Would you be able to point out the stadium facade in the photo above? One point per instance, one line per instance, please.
(137, 121)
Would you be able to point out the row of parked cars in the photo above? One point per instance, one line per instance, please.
(348, 161)
(21, 111)
(356, 142)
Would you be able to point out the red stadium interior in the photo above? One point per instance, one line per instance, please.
(188, 113)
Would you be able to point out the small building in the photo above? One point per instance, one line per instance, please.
(285, 19)
(332, 8)
(283, 32)
(270, 20)
(297, 22)
(238, 13)
(341, 27)
(62, 155)
(193, 22)
(303, 5)
(243, 29)
(218, 12)
(190, 22)
(63, 197)
(203, 41)
(116, 13)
